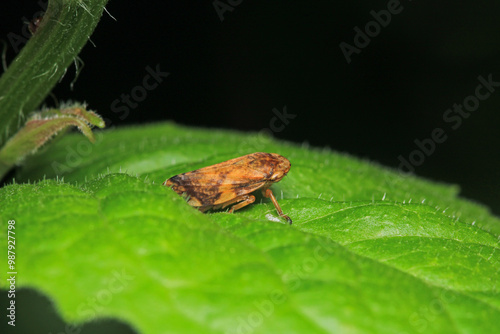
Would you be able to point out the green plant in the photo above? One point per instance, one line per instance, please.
(370, 250)
(62, 33)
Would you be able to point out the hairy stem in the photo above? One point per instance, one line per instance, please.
(60, 36)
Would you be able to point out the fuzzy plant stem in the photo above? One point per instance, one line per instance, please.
(60, 36)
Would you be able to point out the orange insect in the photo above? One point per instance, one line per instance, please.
(231, 182)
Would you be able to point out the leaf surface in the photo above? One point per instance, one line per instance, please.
(360, 257)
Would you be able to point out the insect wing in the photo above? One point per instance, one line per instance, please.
(217, 184)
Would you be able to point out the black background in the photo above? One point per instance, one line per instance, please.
(265, 55)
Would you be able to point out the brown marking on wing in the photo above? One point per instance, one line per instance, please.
(217, 184)
(200, 196)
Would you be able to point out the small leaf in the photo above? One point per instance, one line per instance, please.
(44, 125)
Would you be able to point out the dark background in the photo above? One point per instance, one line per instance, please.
(265, 55)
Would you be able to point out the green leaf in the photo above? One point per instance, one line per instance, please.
(41, 127)
(62, 33)
(360, 257)
(161, 150)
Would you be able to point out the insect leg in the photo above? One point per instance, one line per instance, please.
(269, 194)
(243, 200)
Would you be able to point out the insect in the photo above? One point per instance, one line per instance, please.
(34, 24)
(231, 182)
